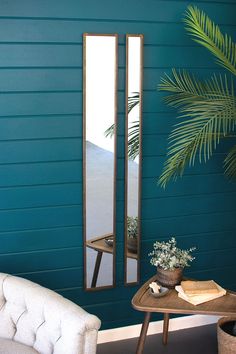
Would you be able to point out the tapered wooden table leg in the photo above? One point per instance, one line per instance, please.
(143, 333)
(96, 269)
(165, 328)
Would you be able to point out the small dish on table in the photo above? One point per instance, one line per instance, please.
(162, 292)
(109, 241)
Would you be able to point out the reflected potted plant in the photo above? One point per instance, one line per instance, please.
(132, 233)
(170, 262)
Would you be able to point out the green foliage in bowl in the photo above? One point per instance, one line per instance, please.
(132, 227)
(168, 256)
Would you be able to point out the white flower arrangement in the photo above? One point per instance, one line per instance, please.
(132, 226)
(168, 257)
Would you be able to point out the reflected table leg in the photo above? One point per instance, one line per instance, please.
(143, 333)
(165, 328)
(96, 269)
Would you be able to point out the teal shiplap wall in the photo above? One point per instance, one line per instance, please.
(41, 146)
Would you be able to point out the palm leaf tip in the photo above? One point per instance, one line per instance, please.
(230, 163)
(205, 32)
(173, 169)
(133, 101)
(109, 132)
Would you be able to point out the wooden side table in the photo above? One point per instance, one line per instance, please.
(98, 244)
(171, 303)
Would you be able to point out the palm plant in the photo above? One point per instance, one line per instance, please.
(133, 130)
(207, 109)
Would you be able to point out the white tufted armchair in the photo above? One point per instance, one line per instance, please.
(36, 320)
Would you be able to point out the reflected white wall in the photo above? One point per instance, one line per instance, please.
(100, 115)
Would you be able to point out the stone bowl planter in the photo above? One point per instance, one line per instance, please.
(169, 278)
(132, 244)
(226, 335)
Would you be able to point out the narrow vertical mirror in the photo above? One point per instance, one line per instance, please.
(134, 54)
(99, 158)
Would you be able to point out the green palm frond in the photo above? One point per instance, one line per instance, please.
(133, 101)
(133, 140)
(230, 163)
(208, 34)
(133, 132)
(110, 131)
(210, 109)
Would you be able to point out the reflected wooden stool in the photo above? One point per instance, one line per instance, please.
(171, 303)
(99, 244)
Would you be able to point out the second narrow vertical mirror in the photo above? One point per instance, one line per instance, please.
(134, 54)
(100, 81)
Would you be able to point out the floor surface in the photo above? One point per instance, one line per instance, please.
(199, 340)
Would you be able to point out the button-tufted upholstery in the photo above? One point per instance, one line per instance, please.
(43, 320)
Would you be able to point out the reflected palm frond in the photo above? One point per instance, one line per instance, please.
(133, 130)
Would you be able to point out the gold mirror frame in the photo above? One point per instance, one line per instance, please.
(128, 254)
(99, 247)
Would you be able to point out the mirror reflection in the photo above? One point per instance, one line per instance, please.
(100, 77)
(134, 45)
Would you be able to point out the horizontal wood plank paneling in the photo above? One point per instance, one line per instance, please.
(202, 186)
(45, 103)
(199, 239)
(58, 79)
(40, 173)
(40, 127)
(40, 196)
(44, 260)
(64, 31)
(153, 165)
(40, 103)
(57, 278)
(41, 146)
(155, 144)
(21, 55)
(184, 225)
(40, 239)
(49, 79)
(40, 150)
(170, 11)
(179, 206)
(44, 217)
(169, 56)
(153, 74)
(48, 55)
